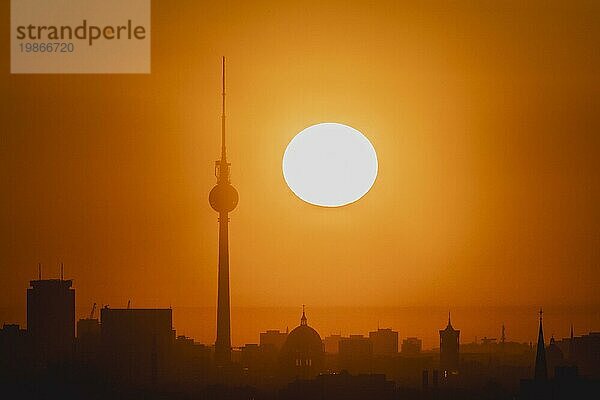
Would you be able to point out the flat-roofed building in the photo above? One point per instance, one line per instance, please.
(385, 342)
(411, 346)
(51, 320)
(137, 344)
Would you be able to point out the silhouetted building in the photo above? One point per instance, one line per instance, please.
(411, 346)
(385, 342)
(190, 361)
(251, 356)
(584, 352)
(88, 340)
(15, 351)
(565, 383)
(554, 357)
(449, 349)
(137, 343)
(486, 341)
(356, 354)
(332, 344)
(273, 338)
(302, 354)
(51, 320)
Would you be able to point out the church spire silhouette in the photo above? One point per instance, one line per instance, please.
(541, 369)
(223, 198)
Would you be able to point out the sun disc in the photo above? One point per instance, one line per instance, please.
(330, 165)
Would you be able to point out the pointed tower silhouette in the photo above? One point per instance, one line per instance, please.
(449, 349)
(223, 198)
(541, 369)
(303, 320)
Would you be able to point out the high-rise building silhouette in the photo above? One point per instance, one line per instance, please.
(332, 343)
(15, 351)
(411, 346)
(273, 338)
(356, 354)
(541, 369)
(88, 338)
(137, 344)
(223, 198)
(51, 319)
(449, 349)
(385, 342)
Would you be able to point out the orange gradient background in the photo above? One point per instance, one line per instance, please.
(484, 116)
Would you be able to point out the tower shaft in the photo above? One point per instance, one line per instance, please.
(223, 342)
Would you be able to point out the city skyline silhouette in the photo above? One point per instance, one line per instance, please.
(138, 351)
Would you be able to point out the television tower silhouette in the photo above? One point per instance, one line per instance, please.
(223, 198)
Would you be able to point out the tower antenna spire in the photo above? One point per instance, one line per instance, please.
(223, 152)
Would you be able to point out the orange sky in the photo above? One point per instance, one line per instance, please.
(484, 116)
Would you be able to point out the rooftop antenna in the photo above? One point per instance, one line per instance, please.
(128, 304)
(571, 331)
(571, 344)
(40, 271)
(62, 271)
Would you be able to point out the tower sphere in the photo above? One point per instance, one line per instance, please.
(223, 197)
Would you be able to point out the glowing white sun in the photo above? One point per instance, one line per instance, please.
(330, 165)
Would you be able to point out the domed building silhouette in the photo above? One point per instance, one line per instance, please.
(302, 355)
